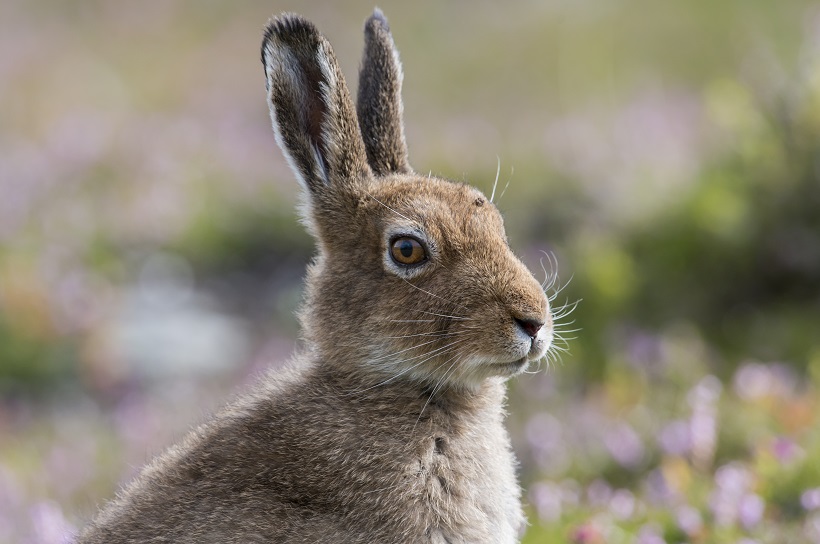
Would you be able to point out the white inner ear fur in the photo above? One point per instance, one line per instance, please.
(278, 61)
(323, 60)
(282, 63)
(400, 79)
(328, 129)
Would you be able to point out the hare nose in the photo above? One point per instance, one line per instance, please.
(530, 326)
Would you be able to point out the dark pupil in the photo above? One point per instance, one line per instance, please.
(406, 248)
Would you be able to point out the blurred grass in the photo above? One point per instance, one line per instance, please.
(665, 153)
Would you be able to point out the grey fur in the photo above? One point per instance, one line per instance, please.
(388, 426)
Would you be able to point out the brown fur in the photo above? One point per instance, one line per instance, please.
(388, 427)
(379, 105)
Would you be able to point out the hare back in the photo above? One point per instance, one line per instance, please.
(306, 462)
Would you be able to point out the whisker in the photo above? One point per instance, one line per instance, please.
(445, 315)
(560, 326)
(497, 172)
(382, 357)
(431, 294)
(441, 382)
(559, 348)
(558, 318)
(431, 354)
(388, 207)
(550, 280)
(434, 352)
(412, 320)
(551, 285)
(552, 276)
(558, 291)
(512, 171)
(538, 368)
(566, 304)
(439, 334)
(563, 311)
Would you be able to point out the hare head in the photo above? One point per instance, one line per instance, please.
(414, 277)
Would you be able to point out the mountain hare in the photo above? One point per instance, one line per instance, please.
(388, 425)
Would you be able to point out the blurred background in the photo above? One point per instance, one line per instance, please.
(666, 154)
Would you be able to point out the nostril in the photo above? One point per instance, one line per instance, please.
(530, 326)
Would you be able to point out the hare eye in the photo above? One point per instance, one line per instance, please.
(407, 251)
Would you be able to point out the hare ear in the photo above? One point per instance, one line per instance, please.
(379, 105)
(310, 107)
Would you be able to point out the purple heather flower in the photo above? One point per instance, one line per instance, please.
(757, 380)
(733, 478)
(543, 429)
(785, 449)
(707, 391)
(588, 533)
(546, 498)
(689, 519)
(731, 496)
(810, 499)
(545, 436)
(644, 351)
(750, 510)
(625, 445)
(655, 136)
(657, 488)
(50, 527)
(649, 534)
(622, 504)
(675, 438)
(570, 493)
(599, 493)
(703, 430)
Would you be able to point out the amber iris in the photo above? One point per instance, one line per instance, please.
(408, 251)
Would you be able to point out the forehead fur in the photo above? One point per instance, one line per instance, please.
(449, 209)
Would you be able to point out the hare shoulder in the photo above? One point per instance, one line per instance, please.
(315, 462)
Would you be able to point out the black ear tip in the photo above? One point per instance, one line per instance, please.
(288, 30)
(377, 21)
(289, 27)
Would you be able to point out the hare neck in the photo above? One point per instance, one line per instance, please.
(411, 397)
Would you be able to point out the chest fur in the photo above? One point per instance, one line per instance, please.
(464, 485)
